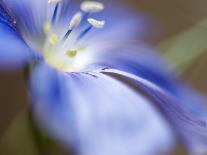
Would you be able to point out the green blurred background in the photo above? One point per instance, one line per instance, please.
(184, 30)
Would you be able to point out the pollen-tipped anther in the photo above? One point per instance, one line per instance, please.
(53, 39)
(91, 6)
(72, 53)
(75, 21)
(47, 27)
(96, 23)
(54, 1)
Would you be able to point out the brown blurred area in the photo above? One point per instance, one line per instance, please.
(174, 16)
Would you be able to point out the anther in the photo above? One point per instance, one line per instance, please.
(53, 39)
(72, 53)
(96, 23)
(75, 21)
(54, 1)
(47, 27)
(93, 23)
(91, 6)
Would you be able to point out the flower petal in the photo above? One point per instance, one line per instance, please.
(145, 62)
(30, 16)
(98, 115)
(13, 51)
(131, 57)
(191, 129)
(6, 16)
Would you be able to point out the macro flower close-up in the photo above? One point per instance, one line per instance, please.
(94, 85)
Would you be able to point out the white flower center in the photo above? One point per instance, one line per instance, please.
(63, 50)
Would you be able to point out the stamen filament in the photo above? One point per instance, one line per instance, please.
(93, 23)
(84, 32)
(67, 34)
(54, 17)
(85, 17)
(75, 21)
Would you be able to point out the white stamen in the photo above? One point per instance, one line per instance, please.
(75, 21)
(54, 1)
(96, 23)
(91, 6)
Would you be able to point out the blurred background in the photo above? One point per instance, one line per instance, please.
(182, 23)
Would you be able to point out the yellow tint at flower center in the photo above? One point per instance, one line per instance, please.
(63, 50)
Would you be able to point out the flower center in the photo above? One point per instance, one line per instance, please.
(63, 48)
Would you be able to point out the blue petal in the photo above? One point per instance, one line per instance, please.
(98, 115)
(13, 51)
(30, 16)
(138, 59)
(191, 128)
(145, 62)
(6, 16)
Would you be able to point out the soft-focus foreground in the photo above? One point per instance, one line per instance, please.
(94, 85)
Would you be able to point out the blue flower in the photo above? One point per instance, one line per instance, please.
(99, 91)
